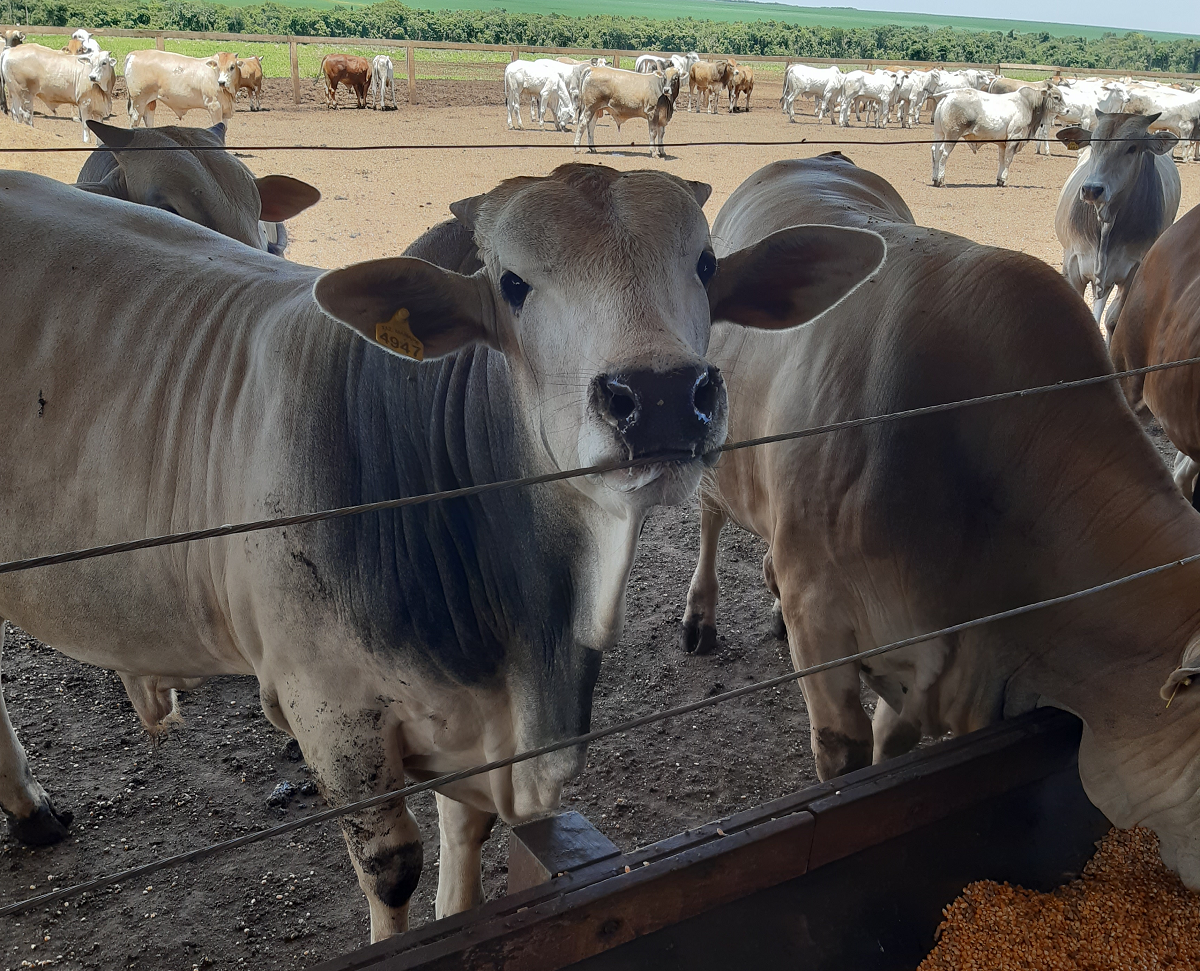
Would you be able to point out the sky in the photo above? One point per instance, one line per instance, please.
(1179, 16)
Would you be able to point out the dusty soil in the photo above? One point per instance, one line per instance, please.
(294, 901)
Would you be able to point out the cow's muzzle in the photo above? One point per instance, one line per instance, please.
(1092, 192)
(673, 413)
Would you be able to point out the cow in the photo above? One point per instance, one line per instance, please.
(707, 79)
(803, 81)
(203, 183)
(82, 42)
(875, 89)
(180, 83)
(741, 83)
(250, 80)
(912, 91)
(545, 84)
(383, 78)
(412, 641)
(13, 38)
(1009, 119)
(590, 62)
(83, 80)
(1123, 193)
(897, 529)
(625, 95)
(348, 69)
(649, 63)
(573, 76)
(1175, 111)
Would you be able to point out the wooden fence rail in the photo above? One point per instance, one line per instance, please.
(515, 51)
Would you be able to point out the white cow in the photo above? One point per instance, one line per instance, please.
(1083, 97)
(87, 43)
(85, 81)
(228, 385)
(573, 76)
(383, 77)
(181, 83)
(1006, 119)
(912, 91)
(546, 88)
(1177, 112)
(649, 63)
(875, 90)
(1122, 196)
(804, 81)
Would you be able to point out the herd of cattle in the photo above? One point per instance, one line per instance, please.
(582, 319)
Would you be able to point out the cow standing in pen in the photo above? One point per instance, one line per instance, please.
(1123, 194)
(403, 643)
(883, 532)
(346, 69)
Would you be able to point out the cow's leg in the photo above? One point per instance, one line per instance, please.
(1008, 151)
(1113, 316)
(699, 633)
(778, 627)
(32, 817)
(463, 831)
(1099, 302)
(148, 113)
(1186, 470)
(941, 152)
(85, 108)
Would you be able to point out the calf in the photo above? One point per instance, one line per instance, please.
(625, 95)
(180, 83)
(383, 79)
(227, 385)
(202, 183)
(545, 84)
(85, 81)
(880, 533)
(741, 83)
(707, 79)
(348, 69)
(1008, 119)
(250, 80)
(1124, 192)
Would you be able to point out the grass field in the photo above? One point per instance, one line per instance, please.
(746, 11)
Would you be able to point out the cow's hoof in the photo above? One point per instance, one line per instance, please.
(697, 638)
(778, 627)
(45, 827)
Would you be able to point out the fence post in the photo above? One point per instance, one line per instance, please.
(516, 54)
(412, 74)
(160, 41)
(616, 58)
(294, 57)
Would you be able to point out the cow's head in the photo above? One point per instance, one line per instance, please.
(13, 38)
(201, 182)
(598, 286)
(1120, 145)
(228, 72)
(102, 69)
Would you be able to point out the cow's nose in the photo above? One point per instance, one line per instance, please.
(1091, 192)
(663, 411)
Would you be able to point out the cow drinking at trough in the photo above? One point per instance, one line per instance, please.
(348, 69)
(1124, 192)
(1006, 119)
(406, 642)
(181, 83)
(625, 95)
(201, 183)
(1159, 323)
(85, 81)
(897, 529)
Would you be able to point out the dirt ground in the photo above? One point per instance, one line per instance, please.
(294, 901)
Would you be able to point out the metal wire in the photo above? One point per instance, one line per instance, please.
(191, 536)
(326, 815)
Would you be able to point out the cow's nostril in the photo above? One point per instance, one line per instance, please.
(705, 394)
(621, 406)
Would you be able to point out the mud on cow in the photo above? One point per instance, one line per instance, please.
(1160, 323)
(180, 83)
(85, 81)
(897, 529)
(626, 95)
(1124, 192)
(1008, 120)
(414, 641)
(348, 69)
(202, 184)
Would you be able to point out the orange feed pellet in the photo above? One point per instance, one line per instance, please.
(1127, 911)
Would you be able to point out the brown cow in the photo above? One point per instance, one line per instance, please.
(74, 46)
(1160, 322)
(250, 79)
(707, 78)
(741, 83)
(352, 71)
(625, 95)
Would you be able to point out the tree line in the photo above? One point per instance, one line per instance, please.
(391, 19)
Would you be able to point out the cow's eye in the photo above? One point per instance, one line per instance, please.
(515, 289)
(706, 266)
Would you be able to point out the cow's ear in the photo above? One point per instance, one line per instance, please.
(219, 130)
(701, 190)
(112, 185)
(1161, 142)
(410, 307)
(110, 136)
(284, 197)
(793, 275)
(1188, 670)
(465, 210)
(1074, 137)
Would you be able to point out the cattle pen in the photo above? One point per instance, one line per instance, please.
(709, 821)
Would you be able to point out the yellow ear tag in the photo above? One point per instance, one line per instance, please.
(1073, 146)
(396, 336)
